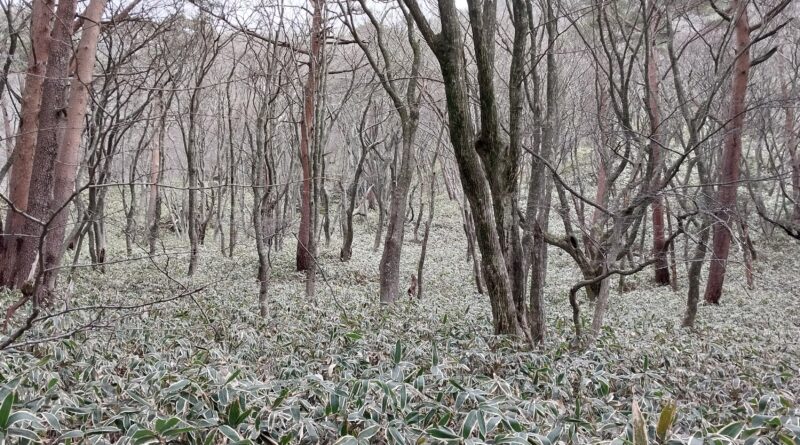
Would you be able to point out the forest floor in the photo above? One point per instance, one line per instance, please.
(205, 366)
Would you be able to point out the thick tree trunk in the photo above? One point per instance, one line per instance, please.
(395, 229)
(656, 157)
(22, 167)
(52, 120)
(469, 151)
(731, 156)
(478, 193)
(601, 303)
(303, 255)
(659, 242)
(539, 193)
(66, 167)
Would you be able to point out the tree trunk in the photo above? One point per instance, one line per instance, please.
(22, 167)
(539, 193)
(347, 220)
(262, 217)
(656, 157)
(381, 211)
(52, 120)
(794, 156)
(731, 156)
(191, 164)
(426, 234)
(748, 252)
(474, 154)
(66, 167)
(659, 241)
(601, 303)
(303, 255)
(156, 154)
(231, 167)
(395, 230)
(472, 254)
(693, 275)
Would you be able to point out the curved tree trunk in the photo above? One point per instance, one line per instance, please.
(487, 166)
(347, 220)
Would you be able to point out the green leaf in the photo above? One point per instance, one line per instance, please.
(143, 436)
(731, 430)
(233, 376)
(230, 433)
(398, 353)
(511, 440)
(396, 436)
(280, 398)
(163, 425)
(175, 432)
(102, 430)
(74, 434)
(20, 432)
(177, 386)
(367, 433)
(5, 411)
(52, 420)
(25, 416)
(442, 432)
(355, 335)
(469, 424)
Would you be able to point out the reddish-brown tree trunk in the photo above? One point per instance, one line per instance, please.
(731, 155)
(52, 120)
(22, 168)
(659, 243)
(304, 256)
(66, 167)
(654, 115)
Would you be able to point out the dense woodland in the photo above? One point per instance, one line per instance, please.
(400, 221)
